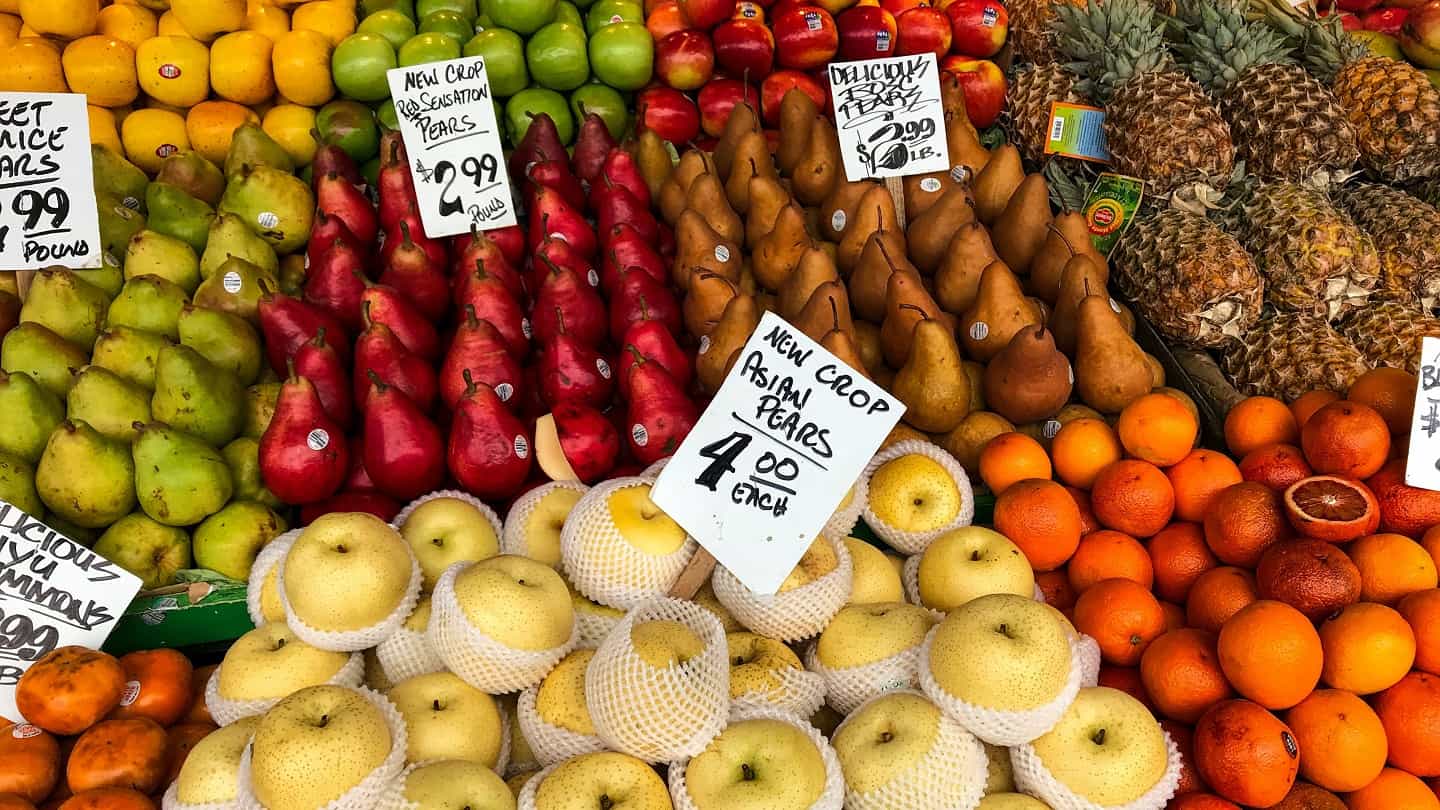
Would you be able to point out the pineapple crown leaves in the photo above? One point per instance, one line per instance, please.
(1107, 45)
(1323, 41)
(1216, 43)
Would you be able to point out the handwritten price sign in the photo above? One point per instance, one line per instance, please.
(47, 196)
(776, 452)
(1422, 463)
(447, 118)
(890, 117)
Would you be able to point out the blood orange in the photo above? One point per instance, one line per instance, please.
(1327, 507)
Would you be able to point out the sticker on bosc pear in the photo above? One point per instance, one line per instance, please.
(775, 453)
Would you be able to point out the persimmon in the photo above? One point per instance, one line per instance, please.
(157, 685)
(70, 689)
(128, 752)
(29, 762)
(108, 799)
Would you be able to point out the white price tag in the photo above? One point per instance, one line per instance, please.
(889, 116)
(774, 454)
(54, 592)
(47, 192)
(1422, 463)
(447, 118)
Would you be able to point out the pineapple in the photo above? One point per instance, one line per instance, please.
(1030, 30)
(1289, 354)
(1032, 92)
(1189, 277)
(1388, 333)
(1406, 231)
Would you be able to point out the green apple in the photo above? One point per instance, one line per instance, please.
(566, 11)
(874, 579)
(865, 634)
(623, 55)
(457, 783)
(604, 779)
(448, 719)
(504, 53)
(393, 25)
(520, 16)
(608, 12)
(346, 571)
(887, 740)
(359, 64)
(969, 562)
(603, 100)
(269, 662)
(429, 46)
(145, 548)
(406, 7)
(228, 540)
(450, 23)
(350, 126)
(757, 764)
(315, 745)
(466, 8)
(1107, 748)
(560, 700)
(209, 770)
(518, 602)
(533, 101)
(385, 114)
(557, 56)
(444, 531)
(1002, 651)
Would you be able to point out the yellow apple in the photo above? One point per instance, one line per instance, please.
(971, 561)
(347, 571)
(819, 559)
(1002, 652)
(756, 663)
(1107, 747)
(602, 780)
(874, 579)
(1011, 801)
(914, 493)
(457, 785)
(448, 719)
(642, 523)
(538, 535)
(757, 764)
(663, 643)
(443, 531)
(315, 745)
(518, 602)
(208, 773)
(560, 700)
(885, 739)
(865, 634)
(269, 663)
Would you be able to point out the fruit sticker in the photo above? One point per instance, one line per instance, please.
(130, 694)
(522, 446)
(317, 439)
(169, 71)
(889, 116)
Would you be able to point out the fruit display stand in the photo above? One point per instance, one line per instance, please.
(199, 619)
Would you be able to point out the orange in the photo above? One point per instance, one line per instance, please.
(1088, 523)
(1179, 556)
(1404, 509)
(1122, 616)
(1133, 497)
(1391, 566)
(1391, 392)
(1197, 479)
(1245, 753)
(1243, 520)
(1159, 429)
(1346, 438)
(1271, 654)
(1309, 402)
(1305, 796)
(1277, 466)
(1410, 711)
(1174, 616)
(1331, 508)
(1422, 610)
(1041, 518)
(1056, 589)
(1258, 421)
(1083, 448)
(1125, 679)
(1368, 647)
(1342, 744)
(1217, 595)
(1012, 457)
(1200, 801)
(1312, 576)
(1181, 673)
(1106, 555)
(1393, 790)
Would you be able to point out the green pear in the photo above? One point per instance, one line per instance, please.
(243, 457)
(118, 223)
(150, 303)
(175, 213)
(79, 534)
(234, 287)
(251, 146)
(17, 485)
(194, 175)
(154, 254)
(108, 402)
(292, 275)
(146, 548)
(273, 203)
(230, 236)
(130, 353)
(68, 306)
(193, 395)
(179, 478)
(228, 540)
(260, 402)
(226, 340)
(43, 355)
(31, 414)
(119, 177)
(85, 478)
(109, 277)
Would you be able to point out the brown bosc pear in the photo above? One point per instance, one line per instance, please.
(1110, 368)
(882, 257)
(653, 160)
(957, 281)
(874, 212)
(677, 186)
(838, 208)
(1021, 228)
(867, 340)
(699, 248)
(707, 197)
(1029, 380)
(921, 191)
(740, 122)
(996, 182)
(814, 268)
(705, 301)
(767, 198)
(843, 344)
(797, 117)
(964, 142)
(815, 176)
(1081, 275)
(737, 323)
(1067, 236)
(1000, 310)
(752, 158)
(928, 235)
(906, 303)
(828, 306)
(777, 254)
(932, 383)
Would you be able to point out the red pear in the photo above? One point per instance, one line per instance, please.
(380, 353)
(621, 170)
(478, 247)
(479, 350)
(331, 159)
(490, 450)
(287, 322)
(592, 144)
(625, 249)
(551, 215)
(396, 186)
(303, 457)
(563, 291)
(411, 271)
(389, 306)
(559, 252)
(337, 197)
(589, 441)
(660, 415)
(541, 141)
(357, 479)
(326, 231)
(395, 237)
(614, 204)
(336, 282)
(639, 297)
(375, 503)
(492, 302)
(511, 240)
(404, 452)
(656, 344)
(572, 370)
(555, 174)
(318, 362)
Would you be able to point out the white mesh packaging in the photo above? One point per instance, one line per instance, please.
(1032, 777)
(594, 628)
(365, 637)
(653, 471)
(601, 564)
(551, 743)
(951, 775)
(910, 578)
(660, 715)
(794, 615)
(227, 711)
(1087, 653)
(407, 653)
(843, 520)
(513, 539)
(1001, 727)
(832, 797)
(479, 660)
(269, 557)
(372, 791)
(846, 689)
(800, 692)
(915, 542)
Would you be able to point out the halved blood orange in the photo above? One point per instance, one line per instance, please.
(1328, 507)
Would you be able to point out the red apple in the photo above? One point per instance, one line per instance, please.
(716, 99)
(898, 7)
(706, 14)
(866, 32)
(1348, 21)
(977, 27)
(685, 60)
(835, 6)
(1356, 6)
(1420, 36)
(744, 48)
(779, 83)
(923, 30)
(749, 10)
(1385, 20)
(805, 37)
(669, 113)
(665, 20)
(984, 86)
